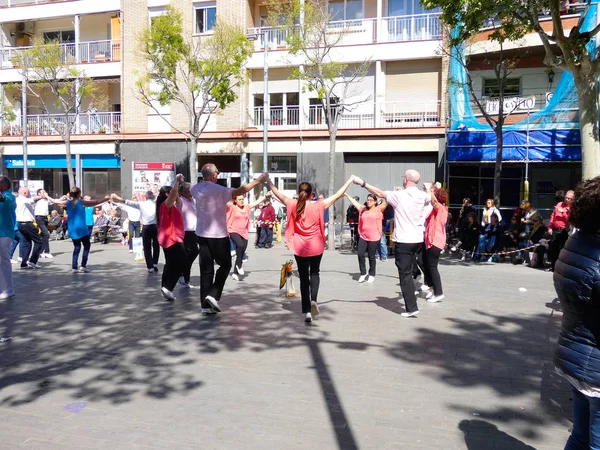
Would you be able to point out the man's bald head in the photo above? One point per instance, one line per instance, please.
(24, 191)
(208, 170)
(411, 178)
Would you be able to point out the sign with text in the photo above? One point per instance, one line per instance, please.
(510, 105)
(151, 176)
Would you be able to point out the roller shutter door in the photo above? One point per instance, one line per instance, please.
(413, 81)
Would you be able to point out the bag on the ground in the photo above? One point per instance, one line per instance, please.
(138, 249)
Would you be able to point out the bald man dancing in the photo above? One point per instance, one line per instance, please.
(411, 209)
(211, 231)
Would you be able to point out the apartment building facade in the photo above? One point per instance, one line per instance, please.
(398, 123)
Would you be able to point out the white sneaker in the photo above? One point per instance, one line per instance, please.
(425, 288)
(74, 271)
(207, 312)
(314, 309)
(233, 253)
(12, 261)
(362, 278)
(308, 317)
(84, 269)
(150, 270)
(435, 299)
(20, 259)
(42, 255)
(429, 295)
(235, 276)
(240, 270)
(370, 279)
(214, 304)
(463, 258)
(34, 266)
(130, 251)
(167, 294)
(407, 314)
(48, 256)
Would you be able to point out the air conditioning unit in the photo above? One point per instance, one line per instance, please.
(25, 28)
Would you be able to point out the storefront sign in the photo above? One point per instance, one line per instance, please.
(510, 105)
(151, 176)
(60, 162)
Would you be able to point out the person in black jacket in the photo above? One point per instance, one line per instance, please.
(577, 284)
(352, 219)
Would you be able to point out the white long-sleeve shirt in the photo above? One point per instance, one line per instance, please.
(147, 210)
(487, 215)
(133, 214)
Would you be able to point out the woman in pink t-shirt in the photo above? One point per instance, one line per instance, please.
(370, 230)
(170, 237)
(435, 242)
(305, 237)
(238, 223)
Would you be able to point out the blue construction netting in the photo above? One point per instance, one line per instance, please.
(550, 134)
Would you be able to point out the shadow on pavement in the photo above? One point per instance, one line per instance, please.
(482, 435)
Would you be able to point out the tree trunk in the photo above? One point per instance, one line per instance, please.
(331, 189)
(70, 173)
(193, 159)
(498, 165)
(587, 95)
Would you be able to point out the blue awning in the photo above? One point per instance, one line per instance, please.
(60, 161)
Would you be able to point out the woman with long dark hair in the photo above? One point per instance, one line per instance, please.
(171, 234)
(370, 230)
(77, 226)
(435, 242)
(305, 237)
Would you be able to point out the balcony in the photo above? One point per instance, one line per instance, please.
(11, 3)
(47, 124)
(82, 53)
(364, 31)
(388, 115)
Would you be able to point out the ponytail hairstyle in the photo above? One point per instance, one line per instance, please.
(162, 196)
(304, 195)
(75, 193)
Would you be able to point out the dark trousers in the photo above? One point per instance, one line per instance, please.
(418, 266)
(77, 243)
(258, 235)
(190, 242)
(266, 237)
(31, 235)
(558, 241)
(369, 247)
(151, 247)
(213, 250)
(134, 231)
(431, 259)
(405, 256)
(175, 265)
(42, 223)
(308, 270)
(354, 235)
(240, 248)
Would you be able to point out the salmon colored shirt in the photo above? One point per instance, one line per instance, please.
(435, 232)
(305, 235)
(170, 226)
(370, 225)
(238, 220)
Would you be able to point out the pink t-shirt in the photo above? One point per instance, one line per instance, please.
(238, 220)
(170, 226)
(370, 223)
(435, 232)
(305, 235)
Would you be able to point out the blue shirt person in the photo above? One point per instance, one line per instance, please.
(8, 220)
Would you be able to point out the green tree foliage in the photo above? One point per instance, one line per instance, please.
(200, 73)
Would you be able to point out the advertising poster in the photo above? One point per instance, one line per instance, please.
(33, 185)
(151, 176)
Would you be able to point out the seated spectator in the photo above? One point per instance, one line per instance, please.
(101, 226)
(489, 210)
(537, 235)
(489, 239)
(511, 236)
(56, 224)
(528, 212)
(469, 237)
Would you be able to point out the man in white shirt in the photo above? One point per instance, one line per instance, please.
(31, 233)
(211, 230)
(134, 216)
(411, 208)
(147, 210)
(187, 205)
(42, 211)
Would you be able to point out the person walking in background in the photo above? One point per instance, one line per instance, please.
(411, 209)
(8, 220)
(42, 212)
(267, 221)
(435, 242)
(147, 210)
(577, 285)
(370, 230)
(558, 227)
(213, 238)
(305, 236)
(77, 226)
(171, 233)
(238, 224)
(31, 233)
(187, 205)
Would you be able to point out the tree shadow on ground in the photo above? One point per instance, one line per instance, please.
(482, 435)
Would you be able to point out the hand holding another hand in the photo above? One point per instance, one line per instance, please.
(357, 180)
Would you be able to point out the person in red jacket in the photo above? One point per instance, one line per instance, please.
(266, 220)
(558, 227)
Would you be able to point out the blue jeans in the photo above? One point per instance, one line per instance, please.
(18, 240)
(134, 232)
(77, 243)
(382, 250)
(586, 423)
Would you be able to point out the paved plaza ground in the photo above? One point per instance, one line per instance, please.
(100, 360)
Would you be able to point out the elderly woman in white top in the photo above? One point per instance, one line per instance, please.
(488, 211)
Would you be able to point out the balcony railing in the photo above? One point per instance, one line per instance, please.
(50, 124)
(89, 52)
(10, 3)
(364, 31)
(281, 117)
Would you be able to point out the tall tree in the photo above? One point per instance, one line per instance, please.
(311, 38)
(202, 74)
(54, 80)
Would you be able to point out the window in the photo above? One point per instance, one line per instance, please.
(408, 8)
(345, 9)
(206, 17)
(64, 36)
(491, 87)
